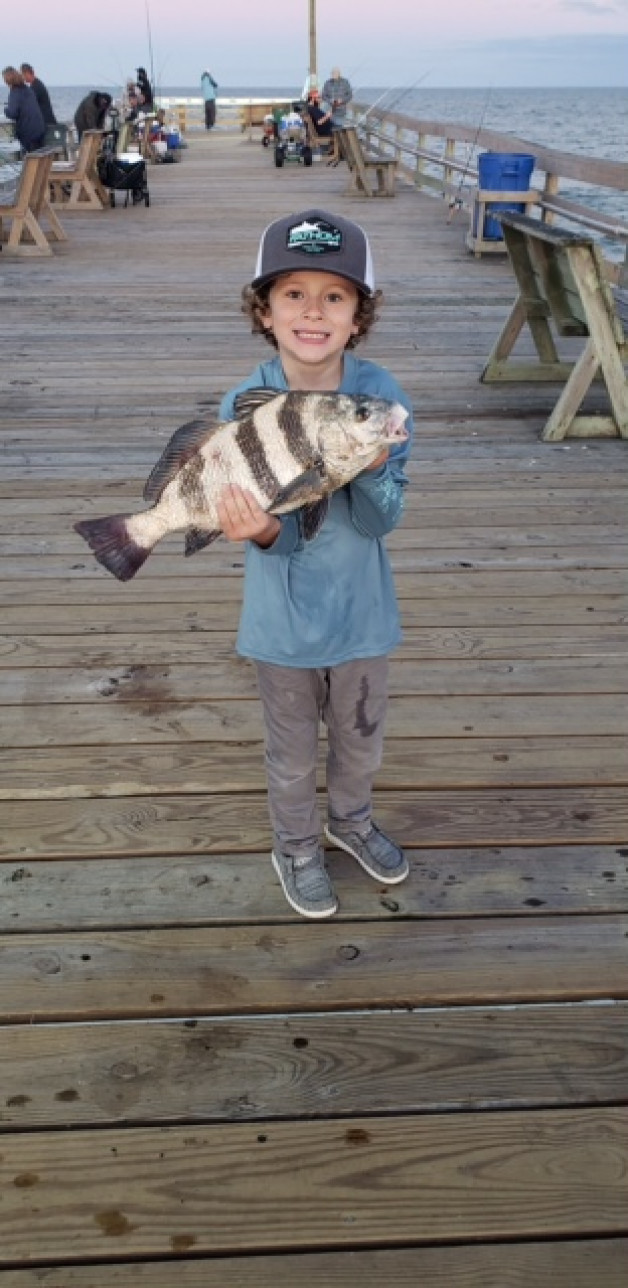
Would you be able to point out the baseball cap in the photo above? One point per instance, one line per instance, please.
(317, 241)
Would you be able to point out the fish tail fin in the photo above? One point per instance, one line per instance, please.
(113, 545)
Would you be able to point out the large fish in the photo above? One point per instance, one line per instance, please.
(291, 450)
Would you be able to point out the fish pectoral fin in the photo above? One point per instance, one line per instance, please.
(303, 489)
(184, 443)
(198, 538)
(249, 400)
(313, 517)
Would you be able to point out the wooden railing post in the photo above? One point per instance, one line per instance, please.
(420, 163)
(550, 190)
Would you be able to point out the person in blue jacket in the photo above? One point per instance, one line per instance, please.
(319, 618)
(23, 108)
(208, 90)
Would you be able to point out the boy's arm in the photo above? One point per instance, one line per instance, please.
(376, 495)
(376, 499)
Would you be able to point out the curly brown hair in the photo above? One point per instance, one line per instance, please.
(255, 305)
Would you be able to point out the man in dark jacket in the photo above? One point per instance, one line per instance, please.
(23, 108)
(145, 88)
(40, 92)
(91, 111)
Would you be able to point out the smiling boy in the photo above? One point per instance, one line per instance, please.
(319, 618)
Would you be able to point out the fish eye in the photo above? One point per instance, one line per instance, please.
(361, 412)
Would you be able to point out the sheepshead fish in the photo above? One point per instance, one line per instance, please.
(292, 450)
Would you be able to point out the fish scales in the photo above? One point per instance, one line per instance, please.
(290, 450)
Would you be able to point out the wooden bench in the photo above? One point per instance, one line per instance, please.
(30, 205)
(76, 183)
(325, 144)
(481, 201)
(364, 166)
(564, 280)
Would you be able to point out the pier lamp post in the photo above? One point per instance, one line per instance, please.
(313, 66)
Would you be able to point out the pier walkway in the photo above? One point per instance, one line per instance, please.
(196, 1086)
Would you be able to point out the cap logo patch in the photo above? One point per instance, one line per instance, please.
(314, 238)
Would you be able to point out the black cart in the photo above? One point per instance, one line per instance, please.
(124, 172)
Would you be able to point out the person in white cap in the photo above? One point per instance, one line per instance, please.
(320, 616)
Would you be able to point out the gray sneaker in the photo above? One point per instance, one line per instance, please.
(378, 855)
(306, 883)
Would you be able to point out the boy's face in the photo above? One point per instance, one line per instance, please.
(311, 315)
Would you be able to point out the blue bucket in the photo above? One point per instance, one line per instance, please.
(510, 171)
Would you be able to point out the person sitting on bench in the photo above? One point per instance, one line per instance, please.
(319, 114)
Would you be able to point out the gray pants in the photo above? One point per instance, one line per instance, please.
(351, 699)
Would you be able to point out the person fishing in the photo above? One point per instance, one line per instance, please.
(22, 108)
(320, 617)
(208, 90)
(92, 111)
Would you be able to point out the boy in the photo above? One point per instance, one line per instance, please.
(320, 617)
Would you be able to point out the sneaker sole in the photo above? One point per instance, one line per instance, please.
(304, 912)
(377, 876)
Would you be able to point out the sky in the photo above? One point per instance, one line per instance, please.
(264, 43)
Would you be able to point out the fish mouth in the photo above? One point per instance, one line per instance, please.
(395, 427)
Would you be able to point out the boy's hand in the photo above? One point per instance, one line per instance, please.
(379, 461)
(242, 518)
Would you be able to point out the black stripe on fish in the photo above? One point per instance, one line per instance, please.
(290, 421)
(252, 448)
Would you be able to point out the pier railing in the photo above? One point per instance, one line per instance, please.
(438, 156)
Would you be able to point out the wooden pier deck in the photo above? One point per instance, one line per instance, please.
(196, 1086)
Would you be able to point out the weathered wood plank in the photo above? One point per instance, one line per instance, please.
(157, 1191)
(166, 891)
(250, 1069)
(174, 607)
(234, 678)
(120, 648)
(187, 971)
(60, 771)
(148, 718)
(553, 1264)
(88, 579)
(222, 824)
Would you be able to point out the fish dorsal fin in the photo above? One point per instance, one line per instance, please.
(313, 517)
(250, 399)
(184, 443)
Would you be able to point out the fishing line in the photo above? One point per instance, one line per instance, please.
(456, 203)
(395, 101)
(150, 47)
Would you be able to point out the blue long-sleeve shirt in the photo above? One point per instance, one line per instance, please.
(331, 600)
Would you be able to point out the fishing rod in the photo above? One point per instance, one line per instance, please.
(394, 102)
(150, 47)
(456, 203)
